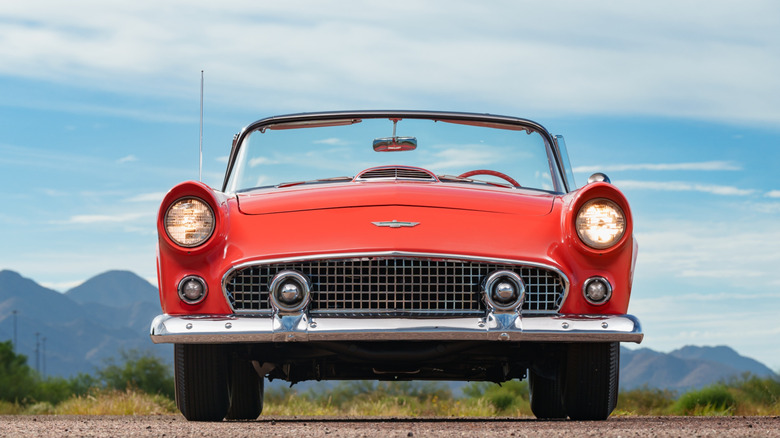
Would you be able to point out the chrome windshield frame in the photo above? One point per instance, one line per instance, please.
(303, 119)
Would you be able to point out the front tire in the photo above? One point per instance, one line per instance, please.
(591, 383)
(201, 381)
(246, 391)
(546, 396)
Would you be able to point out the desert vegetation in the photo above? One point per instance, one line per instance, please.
(141, 384)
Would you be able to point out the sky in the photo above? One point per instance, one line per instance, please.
(678, 102)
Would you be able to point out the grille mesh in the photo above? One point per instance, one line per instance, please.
(393, 286)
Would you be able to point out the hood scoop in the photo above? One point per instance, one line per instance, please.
(386, 173)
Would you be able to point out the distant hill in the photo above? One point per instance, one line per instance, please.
(114, 289)
(686, 368)
(724, 355)
(82, 327)
(113, 311)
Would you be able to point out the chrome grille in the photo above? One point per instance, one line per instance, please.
(394, 286)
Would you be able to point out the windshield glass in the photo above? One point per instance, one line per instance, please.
(318, 152)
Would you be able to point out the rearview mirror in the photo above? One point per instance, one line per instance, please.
(394, 144)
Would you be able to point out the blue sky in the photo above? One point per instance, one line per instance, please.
(678, 102)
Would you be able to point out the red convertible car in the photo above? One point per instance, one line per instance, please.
(396, 245)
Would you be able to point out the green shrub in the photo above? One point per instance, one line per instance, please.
(40, 408)
(145, 372)
(761, 391)
(17, 380)
(711, 400)
(508, 396)
(645, 401)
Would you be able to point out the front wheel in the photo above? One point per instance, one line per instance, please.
(201, 381)
(246, 391)
(546, 396)
(591, 382)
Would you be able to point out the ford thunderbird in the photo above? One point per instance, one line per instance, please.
(396, 245)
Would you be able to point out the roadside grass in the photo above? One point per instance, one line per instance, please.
(97, 402)
(747, 395)
(114, 402)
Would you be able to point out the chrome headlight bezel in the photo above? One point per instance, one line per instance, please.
(189, 221)
(600, 223)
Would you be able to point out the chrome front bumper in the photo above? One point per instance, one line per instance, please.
(301, 328)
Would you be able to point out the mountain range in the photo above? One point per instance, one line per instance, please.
(80, 329)
(112, 312)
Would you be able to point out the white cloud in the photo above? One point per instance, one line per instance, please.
(695, 166)
(127, 159)
(156, 197)
(469, 156)
(104, 218)
(329, 141)
(728, 251)
(679, 186)
(721, 273)
(61, 286)
(720, 318)
(705, 60)
(773, 194)
(261, 161)
(71, 267)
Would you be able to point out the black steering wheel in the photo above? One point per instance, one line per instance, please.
(503, 176)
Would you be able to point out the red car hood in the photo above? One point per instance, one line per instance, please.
(436, 195)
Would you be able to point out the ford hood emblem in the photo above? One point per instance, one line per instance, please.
(395, 224)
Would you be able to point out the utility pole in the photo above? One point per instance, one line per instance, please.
(44, 356)
(15, 342)
(37, 353)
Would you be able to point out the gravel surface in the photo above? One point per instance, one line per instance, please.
(176, 426)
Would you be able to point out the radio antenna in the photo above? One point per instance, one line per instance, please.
(200, 144)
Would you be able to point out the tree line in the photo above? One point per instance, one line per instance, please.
(136, 372)
(22, 385)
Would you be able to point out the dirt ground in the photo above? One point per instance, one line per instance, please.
(177, 426)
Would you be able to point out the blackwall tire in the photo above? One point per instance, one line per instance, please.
(201, 381)
(546, 396)
(591, 380)
(246, 391)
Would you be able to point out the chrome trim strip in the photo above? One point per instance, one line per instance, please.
(386, 254)
(503, 327)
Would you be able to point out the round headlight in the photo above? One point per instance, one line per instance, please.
(600, 223)
(189, 222)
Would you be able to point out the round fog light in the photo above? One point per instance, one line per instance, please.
(192, 289)
(504, 290)
(289, 291)
(597, 290)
